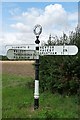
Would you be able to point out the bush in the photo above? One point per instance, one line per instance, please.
(61, 73)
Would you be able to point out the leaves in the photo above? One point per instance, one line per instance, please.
(61, 73)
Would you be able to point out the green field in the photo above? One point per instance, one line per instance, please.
(18, 101)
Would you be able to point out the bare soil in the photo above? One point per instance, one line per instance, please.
(23, 68)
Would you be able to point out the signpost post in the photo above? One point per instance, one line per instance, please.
(36, 92)
(33, 52)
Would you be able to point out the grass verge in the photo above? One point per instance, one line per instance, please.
(18, 101)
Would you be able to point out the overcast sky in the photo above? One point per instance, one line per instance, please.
(19, 18)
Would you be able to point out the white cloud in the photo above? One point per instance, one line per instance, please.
(14, 11)
(33, 11)
(54, 19)
(21, 27)
(16, 38)
(53, 16)
(73, 17)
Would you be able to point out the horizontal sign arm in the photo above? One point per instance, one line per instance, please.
(43, 50)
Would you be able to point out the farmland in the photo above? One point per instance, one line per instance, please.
(18, 90)
(23, 68)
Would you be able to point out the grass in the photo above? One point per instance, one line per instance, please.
(18, 101)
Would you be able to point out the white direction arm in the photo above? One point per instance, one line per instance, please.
(28, 53)
(21, 54)
(58, 50)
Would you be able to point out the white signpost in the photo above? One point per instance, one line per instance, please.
(32, 51)
(21, 54)
(43, 50)
(21, 47)
(58, 50)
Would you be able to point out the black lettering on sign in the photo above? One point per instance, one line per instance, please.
(37, 48)
(64, 50)
(55, 52)
(28, 54)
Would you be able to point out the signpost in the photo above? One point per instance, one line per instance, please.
(58, 50)
(21, 47)
(36, 91)
(33, 51)
(21, 54)
(43, 50)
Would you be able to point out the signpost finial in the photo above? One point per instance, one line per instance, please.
(37, 29)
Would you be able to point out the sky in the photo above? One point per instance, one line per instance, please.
(19, 18)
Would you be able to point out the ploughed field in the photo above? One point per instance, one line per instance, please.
(22, 68)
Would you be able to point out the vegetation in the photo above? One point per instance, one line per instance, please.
(61, 73)
(18, 101)
(3, 57)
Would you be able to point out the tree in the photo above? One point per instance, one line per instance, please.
(61, 73)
